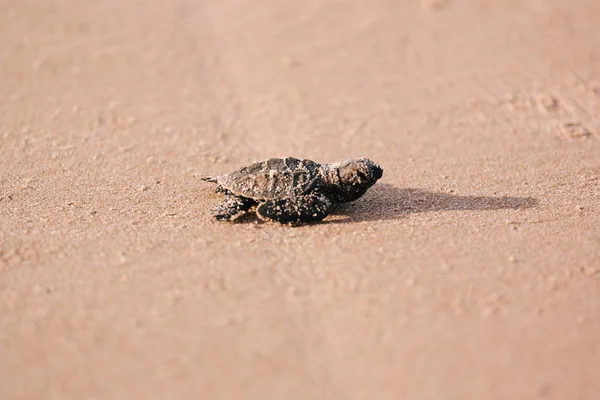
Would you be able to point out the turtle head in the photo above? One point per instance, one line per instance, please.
(356, 177)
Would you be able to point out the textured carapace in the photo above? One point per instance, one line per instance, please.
(275, 178)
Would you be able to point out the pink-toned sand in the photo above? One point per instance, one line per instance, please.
(472, 271)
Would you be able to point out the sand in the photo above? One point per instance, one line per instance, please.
(472, 271)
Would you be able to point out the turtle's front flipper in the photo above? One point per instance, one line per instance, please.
(308, 208)
(232, 208)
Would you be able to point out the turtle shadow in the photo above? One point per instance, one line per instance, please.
(386, 202)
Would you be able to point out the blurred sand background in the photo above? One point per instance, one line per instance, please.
(472, 271)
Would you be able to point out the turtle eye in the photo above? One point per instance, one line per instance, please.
(361, 175)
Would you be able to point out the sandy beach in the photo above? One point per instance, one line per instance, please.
(470, 271)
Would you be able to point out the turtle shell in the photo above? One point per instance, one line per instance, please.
(275, 178)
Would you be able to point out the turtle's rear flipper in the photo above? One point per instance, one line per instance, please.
(308, 208)
(232, 208)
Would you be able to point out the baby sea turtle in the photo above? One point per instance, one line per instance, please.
(291, 191)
